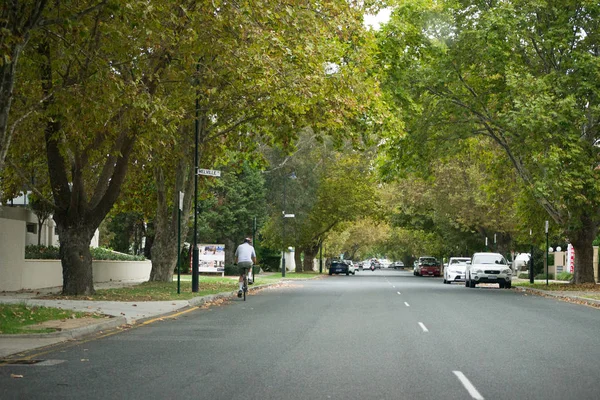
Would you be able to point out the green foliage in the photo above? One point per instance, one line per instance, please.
(564, 276)
(127, 230)
(41, 252)
(489, 70)
(231, 270)
(101, 253)
(33, 252)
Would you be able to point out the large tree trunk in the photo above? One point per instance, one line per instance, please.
(76, 258)
(230, 248)
(309, 258)
(298, 258)
(584, 252)
(164, 246)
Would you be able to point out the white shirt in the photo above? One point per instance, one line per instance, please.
(245, 252)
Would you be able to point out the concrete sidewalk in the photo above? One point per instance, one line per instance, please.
(118, 314)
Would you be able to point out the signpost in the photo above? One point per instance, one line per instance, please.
(199, 171)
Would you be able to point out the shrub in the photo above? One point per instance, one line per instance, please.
(98, 253)
(231, 270)
(543, 276)
(34, 252)
(102, 253)
(564, 276)
(523, 276)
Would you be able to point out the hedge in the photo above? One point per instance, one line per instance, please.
(33, 252)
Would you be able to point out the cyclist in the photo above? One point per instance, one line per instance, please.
(245, 257)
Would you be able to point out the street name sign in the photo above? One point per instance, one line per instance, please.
(209, 172)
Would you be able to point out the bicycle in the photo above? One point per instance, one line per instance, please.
(245, 285)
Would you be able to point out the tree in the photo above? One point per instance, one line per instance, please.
(518, 73)
(21, 19)
(96, 81)
(42, 208)
(263, 72)
(332, 188)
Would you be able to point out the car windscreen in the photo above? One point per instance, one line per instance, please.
(428, 261)
(489, 259)
(460, 260)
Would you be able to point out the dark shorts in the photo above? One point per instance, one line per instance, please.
(244, 266)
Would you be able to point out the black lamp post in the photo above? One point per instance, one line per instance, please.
(290, 176)
(531, 260)
(196, 253)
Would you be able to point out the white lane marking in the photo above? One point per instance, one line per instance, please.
(423, 327)
(398, 292)
(468, 385)
(406, 304)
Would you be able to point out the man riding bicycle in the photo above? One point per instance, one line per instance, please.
(245, 257)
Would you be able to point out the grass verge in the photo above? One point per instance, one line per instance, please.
(15, 318)
(167, 291)
(558, 286)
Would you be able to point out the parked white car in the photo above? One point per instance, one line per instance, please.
(455, 270)
(488, 268)
(351, 267)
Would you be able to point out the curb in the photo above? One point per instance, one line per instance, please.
(115, 322)
(559, 296)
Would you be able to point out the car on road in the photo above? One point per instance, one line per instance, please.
(488, 268)
(339, 267)
(455, 269)
(427, 266)
(397, 264)
(352, 269)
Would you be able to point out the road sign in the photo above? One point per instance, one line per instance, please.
(209, 172)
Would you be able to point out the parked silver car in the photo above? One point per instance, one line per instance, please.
(488, 268)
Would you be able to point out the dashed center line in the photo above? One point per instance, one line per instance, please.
(468, 385)
(406, 304)
(423, 327)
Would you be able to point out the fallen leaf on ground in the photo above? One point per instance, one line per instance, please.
(85, 359)
(16, 376)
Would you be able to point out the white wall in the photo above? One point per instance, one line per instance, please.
(12, 253)
(17, 273)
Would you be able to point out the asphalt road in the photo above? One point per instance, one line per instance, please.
(375, 335)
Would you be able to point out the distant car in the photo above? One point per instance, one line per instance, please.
(427, 266)
(397, 264)
(455, 269)
(488, 268)
(339, 267)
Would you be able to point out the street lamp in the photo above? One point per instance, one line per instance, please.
(531, 258)
(290, 176)
(196, 253)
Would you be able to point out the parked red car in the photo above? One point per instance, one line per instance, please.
(427, 266)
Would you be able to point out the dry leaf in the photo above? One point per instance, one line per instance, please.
(85, 359)
(16, 376)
